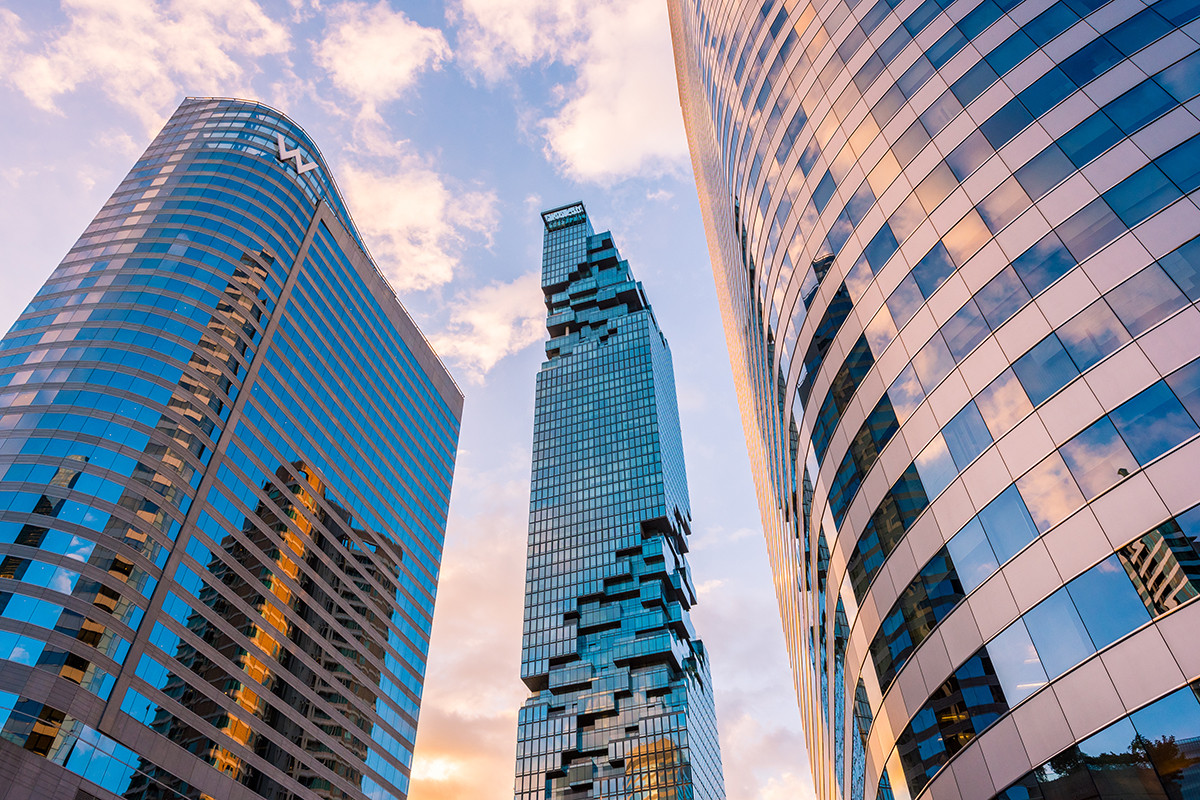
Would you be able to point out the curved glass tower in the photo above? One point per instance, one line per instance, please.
(225, 465)
(954, 242)
(621, 701)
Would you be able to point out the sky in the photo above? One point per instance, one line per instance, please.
(448, 127)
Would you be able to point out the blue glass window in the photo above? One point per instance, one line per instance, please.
(1145, 102)
(964, 330)
(1142, 194)
(1146, 299)
(1182, 79)
(1008, 524)
(1092, 60)
(1182, 164)
(1089, 138)
(1185, 382)
(1183, 265)
(1097, 458)
(932, 269)
(1002, 297)
(972, 554)
(1153, 422)
(966, 436)
(973, 151)
(1006, 123)
(823, 192)
(1044, 171)
(1107, 602)
(1090, 228)
(1092, 334)
(1058, 632)
(1044, 369)
(1043, 263)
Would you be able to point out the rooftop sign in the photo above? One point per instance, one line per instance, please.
(564, 217)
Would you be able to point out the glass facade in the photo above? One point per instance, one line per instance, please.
(956, 248)
(621, 700)
(225, 466)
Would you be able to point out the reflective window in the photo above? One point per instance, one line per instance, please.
(1058, 632)
(1153, 422)
(1146, 299)
(1045, 369)
(1092, 334)
(1049, 492)
(1098, 458)
(1003, 403)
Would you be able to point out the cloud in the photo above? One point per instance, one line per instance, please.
(492, 322)
(622, 117)
(375, 54)
(142, 53)
(415, 223)
(619, 117)
(497, 35)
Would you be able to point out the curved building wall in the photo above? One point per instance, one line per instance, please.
(225, 465)
(954, 243)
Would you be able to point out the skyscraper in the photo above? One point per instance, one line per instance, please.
(954, 242)
(225, 464)
(622, 702)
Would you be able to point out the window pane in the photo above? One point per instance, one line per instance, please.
(936, 467)
(1056, 629)
(1043, 264)
(1107, 602)
(1153, 422)
(1003, 404)
(1146, 299)
(1185, 382)
(1118, 763)
(1045, 171)
(1049, 492)
(966, 237)
(1098, 458)
(1002, 297)
(964, 330)
(904, 301)
(1163, 566)
(1045, 369)
(933, 362)
(932, 269)
(967, 436)
(1139, 105)
(906, 393)
(1090, 229)
(1183, 265)
(1089, 138)
(1142, 194)
(1008, 524)
(1092, 335)
(972, 555)
(1182, 164)
(936, 187)
(970, 154)
(1165, 724)
(1016, 662)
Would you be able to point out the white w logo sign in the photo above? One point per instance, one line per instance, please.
(294, 154)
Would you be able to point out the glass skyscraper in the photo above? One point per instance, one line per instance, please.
(225, 464)
(955, 247)
(621, 701)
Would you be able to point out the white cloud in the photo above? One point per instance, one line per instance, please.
(497, 35)
(416, 225)
(492, 322)
(620, 115)
(375, 54)
(145, 53)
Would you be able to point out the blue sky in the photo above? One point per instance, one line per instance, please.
(448, 127)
